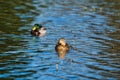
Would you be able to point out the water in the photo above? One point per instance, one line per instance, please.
(91, 27)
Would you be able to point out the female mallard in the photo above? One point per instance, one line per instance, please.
(62, 48)
(38, 30)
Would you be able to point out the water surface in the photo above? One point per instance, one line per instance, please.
(91, 27)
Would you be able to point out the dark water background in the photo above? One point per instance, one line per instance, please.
(91, 27)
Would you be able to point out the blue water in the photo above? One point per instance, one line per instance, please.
(90, 27)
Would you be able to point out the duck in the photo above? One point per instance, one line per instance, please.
(38, 30)
(62, 48)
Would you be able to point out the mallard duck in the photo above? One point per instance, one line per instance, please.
(38, 30)
(62, 48)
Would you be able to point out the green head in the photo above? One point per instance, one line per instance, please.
(37, 26)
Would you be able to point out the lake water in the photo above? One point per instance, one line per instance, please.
(91, 27)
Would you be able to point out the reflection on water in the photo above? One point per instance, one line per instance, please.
(91, 27)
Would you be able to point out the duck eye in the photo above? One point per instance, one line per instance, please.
(37, 27)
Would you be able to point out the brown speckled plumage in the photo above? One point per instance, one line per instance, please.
(62, 48)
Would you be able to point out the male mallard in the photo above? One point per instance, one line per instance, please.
(62, 48)
(38, 30)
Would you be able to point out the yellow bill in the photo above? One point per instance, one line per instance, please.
(34, 28)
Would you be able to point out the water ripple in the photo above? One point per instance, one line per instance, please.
(89, 27)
